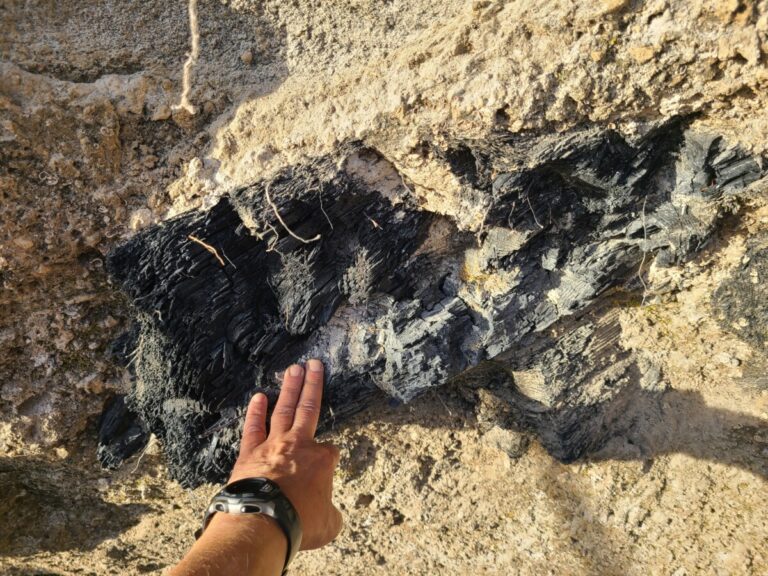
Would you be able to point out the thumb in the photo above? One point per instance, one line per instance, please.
(255, 426)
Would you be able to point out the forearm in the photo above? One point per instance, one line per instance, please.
(255, 545)
(252, 545)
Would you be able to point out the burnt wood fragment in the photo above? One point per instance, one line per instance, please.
(741, 301)
(394, 299)
(121, 432)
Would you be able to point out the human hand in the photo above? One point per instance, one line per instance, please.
(290, 456)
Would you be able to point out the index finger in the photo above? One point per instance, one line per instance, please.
(308, 406)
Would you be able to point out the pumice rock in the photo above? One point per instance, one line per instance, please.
(317, 262)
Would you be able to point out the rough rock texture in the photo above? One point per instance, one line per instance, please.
(454, 482)
(35, 488)
(397, 298)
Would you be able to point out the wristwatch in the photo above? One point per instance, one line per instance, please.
(258, 496)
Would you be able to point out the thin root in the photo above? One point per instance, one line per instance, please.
(375, 224)
(320, 193)
(280, 219)
(184, 103)
(208, 247)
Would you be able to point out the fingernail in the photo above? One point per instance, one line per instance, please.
(295, 370)
(315, 365)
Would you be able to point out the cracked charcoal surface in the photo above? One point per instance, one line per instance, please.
(741, 301)
(121, 432)
(573, 392)
(397, 300)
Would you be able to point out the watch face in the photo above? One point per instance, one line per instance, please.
(251, 487)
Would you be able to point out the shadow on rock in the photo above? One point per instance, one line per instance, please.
(584, 396)
(677, 421)
(45, 507)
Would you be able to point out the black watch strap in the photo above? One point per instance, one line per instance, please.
(258, 496)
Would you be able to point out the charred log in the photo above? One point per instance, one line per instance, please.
(319, 263)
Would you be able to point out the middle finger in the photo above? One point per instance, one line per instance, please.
(285, 408)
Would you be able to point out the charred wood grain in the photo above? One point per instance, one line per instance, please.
(331, 268)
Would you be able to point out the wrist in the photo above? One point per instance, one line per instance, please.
(260, 535)
(248, 544)
(255, 526)
(255, 497)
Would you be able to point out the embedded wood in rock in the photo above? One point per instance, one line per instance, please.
(394, 299)
(741, 301)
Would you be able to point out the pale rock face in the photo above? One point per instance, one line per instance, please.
(91, 155)
(140, 219)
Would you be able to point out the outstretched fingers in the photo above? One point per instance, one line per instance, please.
(308, 408)
(255, 426)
